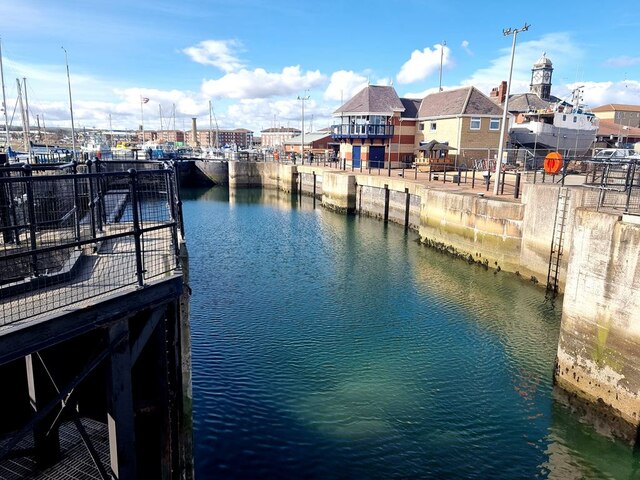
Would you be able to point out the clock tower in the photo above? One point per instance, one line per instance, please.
(541, 77)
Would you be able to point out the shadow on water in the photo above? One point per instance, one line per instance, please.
(328, 346)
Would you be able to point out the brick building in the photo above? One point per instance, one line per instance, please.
(276, 136)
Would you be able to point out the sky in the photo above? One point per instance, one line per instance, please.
(253, 60)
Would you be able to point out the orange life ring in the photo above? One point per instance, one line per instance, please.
(553, 163)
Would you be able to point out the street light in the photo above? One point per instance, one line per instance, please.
(302, 99)
(73, 128)
(505, 32)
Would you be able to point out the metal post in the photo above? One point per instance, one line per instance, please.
(314, 189)
(76, 200)
(516, 193)
(92, 203)
(172, 209)
(504, 174)
(473, 179)
(631, 175)
(32, 220)
(503, 126)
(137, 233)
(407, 206)
(386, 203)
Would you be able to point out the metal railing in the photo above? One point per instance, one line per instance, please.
(361, 131)
(72, 232)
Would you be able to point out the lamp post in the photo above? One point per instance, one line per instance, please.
(506, 32)
(302, 99)
(441, 58)
(73, 128)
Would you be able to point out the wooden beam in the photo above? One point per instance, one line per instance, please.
(120, 418)
(146, 333)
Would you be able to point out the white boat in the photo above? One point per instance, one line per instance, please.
(564, 128)
(96, 147)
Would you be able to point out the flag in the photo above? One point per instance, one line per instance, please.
(145, 99)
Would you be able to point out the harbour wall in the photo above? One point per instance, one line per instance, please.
(598, 361)
(598, 351)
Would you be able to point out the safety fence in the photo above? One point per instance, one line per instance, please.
(71, 232)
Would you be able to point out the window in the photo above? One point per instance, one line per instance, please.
(476, 123)
(433, 126)
(575, 119)
(494, 124)
(564, 118)
(421, 126)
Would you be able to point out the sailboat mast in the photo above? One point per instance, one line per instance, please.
(4, 102)
(22, 114)
(26, 107)
(164, 136)
(73, 128)
(210, 124)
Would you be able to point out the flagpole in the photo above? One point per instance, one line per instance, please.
(142, 118)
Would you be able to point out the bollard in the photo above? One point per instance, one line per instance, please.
(407, 206)
(314, 189)
(386, 203)
(473, 179)
(516, 193)
(504, 174)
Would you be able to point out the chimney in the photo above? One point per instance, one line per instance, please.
(194, 133)
(499, 93)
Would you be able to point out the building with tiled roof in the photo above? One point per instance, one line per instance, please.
(614, 135)
(464, 119)
(627, 115)
(375, 128)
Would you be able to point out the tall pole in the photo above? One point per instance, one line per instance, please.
(503, 127)
(210, 125)
(303, 98)
(441, 58)
(4, 102)
(142, 118)
(73, 127)
(28, 122)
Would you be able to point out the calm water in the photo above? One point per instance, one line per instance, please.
(327, 346)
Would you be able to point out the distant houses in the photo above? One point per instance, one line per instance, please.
(377, 128)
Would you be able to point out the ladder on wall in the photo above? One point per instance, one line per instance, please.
(557, 242)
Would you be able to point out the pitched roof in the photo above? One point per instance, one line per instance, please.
(461, 101)
(411, 106)
(373, 99)
(526, 102)
(616, 106)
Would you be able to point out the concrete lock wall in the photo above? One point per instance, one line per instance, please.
(489, 230)
(216, 172)
(599, 348)
(339, 192)
(251, 174)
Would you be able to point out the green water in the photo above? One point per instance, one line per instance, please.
(330, 346)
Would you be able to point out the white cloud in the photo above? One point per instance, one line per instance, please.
(600, 93)
(423, 63)
(344, 84)
(623, 61)
(559, 48)
(259, 83)
(218, 53)
(465, 47)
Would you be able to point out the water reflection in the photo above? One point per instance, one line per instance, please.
(331, 346)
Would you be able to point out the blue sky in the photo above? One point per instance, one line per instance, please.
(253, 58)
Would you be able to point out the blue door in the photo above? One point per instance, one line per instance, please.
(376, 157)
(356, 157)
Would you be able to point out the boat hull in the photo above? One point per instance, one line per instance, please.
(557, 139)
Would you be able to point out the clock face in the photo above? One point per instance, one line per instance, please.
(537, 76)
(547, 77)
